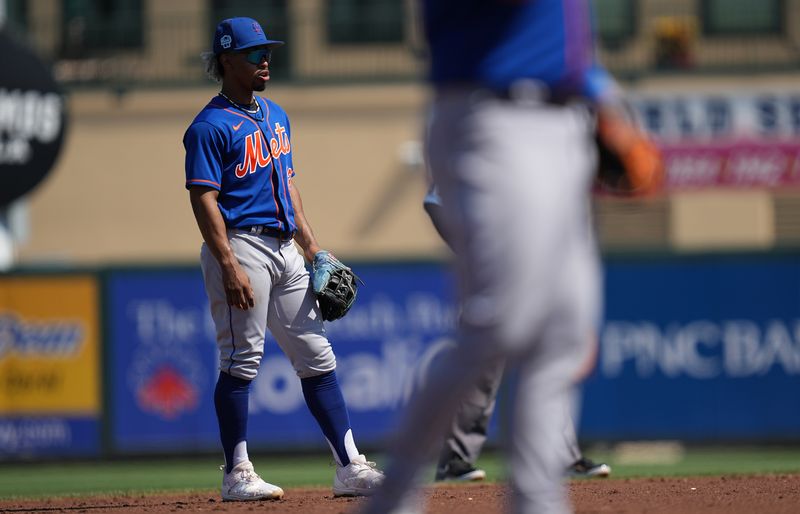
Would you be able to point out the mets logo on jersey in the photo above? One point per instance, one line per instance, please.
(255, 156)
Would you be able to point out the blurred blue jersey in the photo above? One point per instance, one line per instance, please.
(494, 43)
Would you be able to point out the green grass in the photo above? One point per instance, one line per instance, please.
(713, 461)
(30, 480)
(143, 476)
(693, 461)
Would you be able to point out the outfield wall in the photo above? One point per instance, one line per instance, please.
(697, 348)
(50, 386)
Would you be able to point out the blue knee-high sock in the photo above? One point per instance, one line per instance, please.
(325, 401)
(231, 398)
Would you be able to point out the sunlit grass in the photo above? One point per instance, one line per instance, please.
(29, 480)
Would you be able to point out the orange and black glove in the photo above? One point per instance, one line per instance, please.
(629, 163)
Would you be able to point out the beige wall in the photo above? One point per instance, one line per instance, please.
(117, 191)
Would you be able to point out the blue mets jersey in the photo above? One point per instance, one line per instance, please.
(494, 43)
(247, 158)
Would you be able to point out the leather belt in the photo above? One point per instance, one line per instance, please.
(523, 91)
(533, 96)
(264, 230)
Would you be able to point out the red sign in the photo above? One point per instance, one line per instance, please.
(751, 163)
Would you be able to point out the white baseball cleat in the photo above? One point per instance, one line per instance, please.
(243, 484)
(458, 470)
(587, 468)
(359, 478)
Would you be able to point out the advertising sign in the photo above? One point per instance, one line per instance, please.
(32, 119)
(164, 359)
(49, 365)
(731, 139)
(696, 348)
(703, 348)
(739, 164)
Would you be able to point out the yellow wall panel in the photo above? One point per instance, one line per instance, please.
(49, 345)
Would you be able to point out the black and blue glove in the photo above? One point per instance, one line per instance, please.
(334, 284)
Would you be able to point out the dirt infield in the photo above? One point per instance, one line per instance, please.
(739, 494)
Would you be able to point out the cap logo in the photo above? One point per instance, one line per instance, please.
(225, 41)
(256, 28)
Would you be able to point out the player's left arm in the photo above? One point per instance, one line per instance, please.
(304, 235)
(629, 162)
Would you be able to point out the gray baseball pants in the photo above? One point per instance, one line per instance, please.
(470, 427)
(284, 303)
(514, 180)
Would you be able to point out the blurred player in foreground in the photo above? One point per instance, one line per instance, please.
(511, 148)
(468, 431)
(239, 173)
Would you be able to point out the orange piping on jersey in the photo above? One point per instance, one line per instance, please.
(275, 148)
(198, 180)
(242, 116)
(285, 189)
(283, 141)
(275, 194)
(261, 153)
(253, 151)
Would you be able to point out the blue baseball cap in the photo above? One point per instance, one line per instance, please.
(240, 33)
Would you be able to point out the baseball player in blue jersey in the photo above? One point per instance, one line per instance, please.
(240, 177)
(510, 146)
(468, 431)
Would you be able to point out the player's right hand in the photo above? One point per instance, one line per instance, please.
(237, 287)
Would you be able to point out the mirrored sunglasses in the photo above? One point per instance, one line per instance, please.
(257, 56)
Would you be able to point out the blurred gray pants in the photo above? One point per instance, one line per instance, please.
(470, 427)
(514, 180)
(471, 424)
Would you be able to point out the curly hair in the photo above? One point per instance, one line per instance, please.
(212, 66)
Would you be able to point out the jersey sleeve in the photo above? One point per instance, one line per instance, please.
(597, 83)
(599, 86)
(203, 145)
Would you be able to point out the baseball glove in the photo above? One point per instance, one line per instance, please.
(628, 161)
(334, 284)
